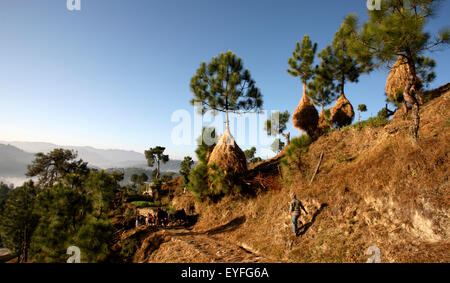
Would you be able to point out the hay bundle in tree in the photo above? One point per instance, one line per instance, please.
(342, 113)
(228, 156)
(397, 80)
(305, 117)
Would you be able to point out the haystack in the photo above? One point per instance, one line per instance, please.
(228, 156)
(398, 78)
(305, 117)
(342, 113)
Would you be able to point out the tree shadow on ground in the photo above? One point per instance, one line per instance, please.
(229, 227)
(302, 231)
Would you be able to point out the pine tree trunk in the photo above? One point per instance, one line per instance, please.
(410, 98)
(288, 138)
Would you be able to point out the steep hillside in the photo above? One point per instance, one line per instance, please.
(374, 188)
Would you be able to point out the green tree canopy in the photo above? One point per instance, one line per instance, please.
(277, 124)
(51, 167)
(301, 62)
(185, 170)
(338, 65)
(19, 220)
(223, 85)
(321, 88)
(250, 155)
(361, 108)
(156, 156)
(398, 29)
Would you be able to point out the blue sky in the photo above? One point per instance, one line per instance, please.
(112, 74)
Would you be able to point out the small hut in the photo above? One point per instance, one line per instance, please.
(342, 113)
(305, 116)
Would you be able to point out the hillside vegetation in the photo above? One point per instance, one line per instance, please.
(372, 189)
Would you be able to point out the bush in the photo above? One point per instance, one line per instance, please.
(129, 248)
(94, 239)
(294, 152)
(198, 181)
(374, 122)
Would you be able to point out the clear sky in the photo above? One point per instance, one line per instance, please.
(112, 74)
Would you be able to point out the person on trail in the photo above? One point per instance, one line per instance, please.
(295, 207)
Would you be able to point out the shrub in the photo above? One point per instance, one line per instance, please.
(129, 248)
(374, 122)
(294, 152)
(198, 181)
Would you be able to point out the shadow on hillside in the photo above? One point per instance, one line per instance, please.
(302, 231)
(230, 226)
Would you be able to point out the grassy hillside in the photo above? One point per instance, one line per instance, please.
(374, 188)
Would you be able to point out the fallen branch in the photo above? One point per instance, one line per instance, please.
(317, 168)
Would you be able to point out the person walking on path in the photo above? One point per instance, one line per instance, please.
(295, 208)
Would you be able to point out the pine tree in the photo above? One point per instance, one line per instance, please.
(305, 117)
(51, 167)
(19, 220)
(62, 212)
(301, 62)
(361, 108)
(398, 29)
(102, 188)
(321, 88)
(338, 66)
(156, 155)
(277, 125)
(223, 85)
(250, 155)
(185, 170)
(198, 176)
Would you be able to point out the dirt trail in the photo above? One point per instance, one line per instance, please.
(181, 245)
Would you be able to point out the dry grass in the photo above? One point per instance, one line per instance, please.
(374, 188)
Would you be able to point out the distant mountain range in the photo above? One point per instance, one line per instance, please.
(15, 156)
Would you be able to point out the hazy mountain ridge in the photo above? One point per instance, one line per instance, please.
(13, 161)
(15, 156)
(103, 158)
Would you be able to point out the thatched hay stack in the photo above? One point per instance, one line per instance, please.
(342, 113)
(305, 117)
(228, 156)
(397, 79)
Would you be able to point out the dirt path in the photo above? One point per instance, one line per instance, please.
(181, 245)
(187, 246)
